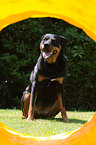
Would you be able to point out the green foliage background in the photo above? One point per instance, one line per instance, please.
(19, 51)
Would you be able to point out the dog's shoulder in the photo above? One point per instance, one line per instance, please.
(36, 69)
(62, 65)
(64, 59)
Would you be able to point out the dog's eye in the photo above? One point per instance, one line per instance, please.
(46, 38)
(53, 39)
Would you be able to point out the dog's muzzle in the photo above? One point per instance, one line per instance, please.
(45, 51)
(47, 55)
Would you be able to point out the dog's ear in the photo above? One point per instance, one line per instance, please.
(63, 41)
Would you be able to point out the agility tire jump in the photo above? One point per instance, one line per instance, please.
(75, 13)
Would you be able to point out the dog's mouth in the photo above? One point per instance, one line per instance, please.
(47, 55)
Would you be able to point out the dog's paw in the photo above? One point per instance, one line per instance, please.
(65, 119)
(30, 119)
(23, 117)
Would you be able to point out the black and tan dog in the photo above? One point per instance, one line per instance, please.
(44, 97)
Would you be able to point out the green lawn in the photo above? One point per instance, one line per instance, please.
(43, 127)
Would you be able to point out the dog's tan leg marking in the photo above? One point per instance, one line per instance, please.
(59, 96)
(31, 110)
(63, 110)
(26, 105)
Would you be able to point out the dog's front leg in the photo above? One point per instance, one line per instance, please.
(60, 95)
(33, 98)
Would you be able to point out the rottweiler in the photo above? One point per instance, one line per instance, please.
(44, 96)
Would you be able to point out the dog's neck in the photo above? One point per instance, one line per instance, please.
(53, 70)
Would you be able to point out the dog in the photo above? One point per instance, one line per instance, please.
(44, 96)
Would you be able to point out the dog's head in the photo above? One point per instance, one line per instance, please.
(51, 45)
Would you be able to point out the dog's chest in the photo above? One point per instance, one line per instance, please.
(47, 92)
(58, 69)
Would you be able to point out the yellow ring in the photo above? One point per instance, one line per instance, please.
(80, 13)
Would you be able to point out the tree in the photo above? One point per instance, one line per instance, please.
(20, 50)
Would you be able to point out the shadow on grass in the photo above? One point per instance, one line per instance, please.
(76, 121)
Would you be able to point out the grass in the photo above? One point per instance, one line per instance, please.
(43, 127)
